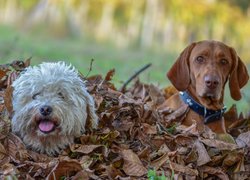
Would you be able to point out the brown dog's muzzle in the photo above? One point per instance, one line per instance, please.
(209, 85)
(211, 81)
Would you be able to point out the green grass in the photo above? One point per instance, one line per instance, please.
(152, 175)
(20, 45)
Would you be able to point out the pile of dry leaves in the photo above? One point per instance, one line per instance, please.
(133, 137)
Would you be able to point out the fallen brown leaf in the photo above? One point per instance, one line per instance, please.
(64, 169)
(3, 152)
(214, 171)
(2, 73)
(203, 157)
(243, 140)
(156, 164)
(183, 169)
(8, 99)
(85, 149)
(221, 145)
(132, 165)
(109, 75)
(134, 135)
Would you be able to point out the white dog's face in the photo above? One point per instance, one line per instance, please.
(51, 106)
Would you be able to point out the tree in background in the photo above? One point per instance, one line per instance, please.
(161, 24)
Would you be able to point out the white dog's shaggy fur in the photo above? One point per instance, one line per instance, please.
(51, 106)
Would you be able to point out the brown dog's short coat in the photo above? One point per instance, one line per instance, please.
(203, 69)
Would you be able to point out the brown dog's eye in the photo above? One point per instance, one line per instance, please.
(223, 61)
(200, 59)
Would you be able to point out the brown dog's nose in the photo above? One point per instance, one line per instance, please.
(45, 110)
(211, 81)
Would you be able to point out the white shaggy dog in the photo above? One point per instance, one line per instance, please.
(51, 106)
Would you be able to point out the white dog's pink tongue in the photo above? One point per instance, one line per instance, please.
(46, 126)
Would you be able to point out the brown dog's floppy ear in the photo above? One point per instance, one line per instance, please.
(238, 77)
(179, 72)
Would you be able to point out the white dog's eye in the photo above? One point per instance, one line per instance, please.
(35, 95)
(61, 95)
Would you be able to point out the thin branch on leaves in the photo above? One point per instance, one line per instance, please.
(90, 67)
(134, 76)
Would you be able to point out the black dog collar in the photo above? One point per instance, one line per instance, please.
(208, 114)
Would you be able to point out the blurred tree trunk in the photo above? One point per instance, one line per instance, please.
(168, 31)
(148, 27)
(134, 24)
(77, 17)
(50, 14)
(11, 13)
(104, 28)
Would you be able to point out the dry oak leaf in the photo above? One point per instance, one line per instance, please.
(180, 113)
(86, 162)
(7, 169)
(110, 171)
(148, 129)
(8, 99)
(3, 152)
(2, 73)
(184, 140)
(192, 156)
(132, 164)
(183, 169)
(221, 145)
(109, 75)
(232, 158)
(214, 171)
(16, 148)
(64, 168)
(4, 127)
(243, 140)
(37, 169)
(85, 149)
(81, 175)
(160, 161)
(173, 166)
(20, 65)
(156, 95)
(203, 156)
(231, 116)
(240, 166)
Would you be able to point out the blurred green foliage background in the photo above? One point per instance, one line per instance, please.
(121, 34)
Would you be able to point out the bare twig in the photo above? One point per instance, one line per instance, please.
(134, 76)
(90, 67)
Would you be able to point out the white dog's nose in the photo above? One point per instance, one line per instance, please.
(46, 110)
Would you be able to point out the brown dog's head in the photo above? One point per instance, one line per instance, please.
(206, 66)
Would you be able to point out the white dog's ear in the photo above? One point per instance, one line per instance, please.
(92, 117)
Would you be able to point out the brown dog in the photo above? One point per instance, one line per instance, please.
(200, 73)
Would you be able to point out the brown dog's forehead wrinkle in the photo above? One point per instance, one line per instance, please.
(199, 50)
(222, 52)
(213, 51)
(207, 48)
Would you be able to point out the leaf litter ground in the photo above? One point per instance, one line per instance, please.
(133, 137)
